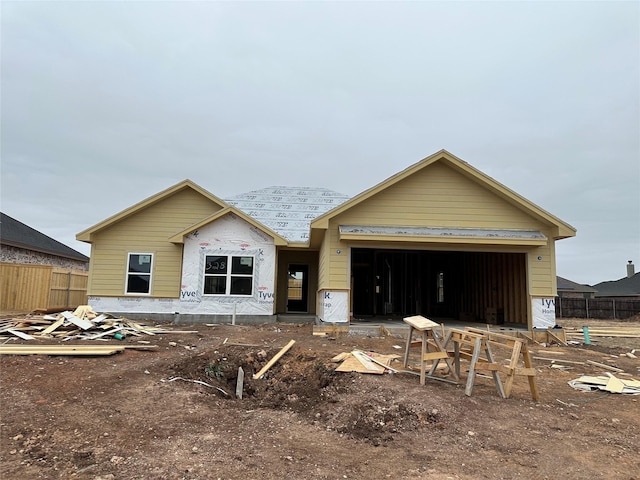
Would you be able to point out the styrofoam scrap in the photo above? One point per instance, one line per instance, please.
(20, 334)
(83, 324)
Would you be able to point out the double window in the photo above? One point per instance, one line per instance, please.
(228, 275)
(139, 273)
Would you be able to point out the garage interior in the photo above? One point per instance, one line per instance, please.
(486, 287)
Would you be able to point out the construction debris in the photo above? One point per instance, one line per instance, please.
(361, 362)
(274, 359)
(81, 324)
(609, 383)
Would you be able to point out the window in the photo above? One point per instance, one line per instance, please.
(139, 273)
(228, 275)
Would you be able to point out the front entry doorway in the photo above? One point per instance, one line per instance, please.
(297, 288)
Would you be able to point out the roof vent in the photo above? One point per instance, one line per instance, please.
(631, 271)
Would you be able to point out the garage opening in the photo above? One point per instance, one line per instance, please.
(469, 286)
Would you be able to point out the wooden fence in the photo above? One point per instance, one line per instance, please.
(604, 308)
(26, 287)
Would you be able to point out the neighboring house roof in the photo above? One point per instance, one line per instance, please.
(179, 237)
(85, 235)
(16, 234)
(625, 287)
(288, 211)
(565, 285)
(562, 229)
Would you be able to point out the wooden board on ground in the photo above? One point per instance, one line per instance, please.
(330, 329)
(351, 363)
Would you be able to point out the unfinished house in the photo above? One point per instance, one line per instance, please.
(439, 239)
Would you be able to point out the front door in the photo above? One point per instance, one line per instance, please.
(297, 287)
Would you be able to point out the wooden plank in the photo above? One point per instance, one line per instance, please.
(364, 360)
(53, 326)
(114, 330)
(435, 355)
(420, 323)
(274, 359)
(240, 383)
(605, 366)
(561, 360)
(352, 364)
(59, 350)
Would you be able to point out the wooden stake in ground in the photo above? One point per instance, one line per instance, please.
(274, 360)
(240, 383)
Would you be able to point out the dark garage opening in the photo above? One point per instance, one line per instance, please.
(469, 286)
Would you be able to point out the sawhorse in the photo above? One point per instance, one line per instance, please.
(430, 340)
(470, 343)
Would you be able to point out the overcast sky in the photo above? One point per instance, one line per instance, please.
(107, 103)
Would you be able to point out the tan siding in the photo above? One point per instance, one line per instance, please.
(438, 196)
(147, 231)
(323, 263)
(542, 272)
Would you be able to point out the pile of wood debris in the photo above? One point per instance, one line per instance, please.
(81, 324)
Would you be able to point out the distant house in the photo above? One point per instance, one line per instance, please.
(20, 243)
(38, 272)
(569, 289)
(439, 238)
(624, 288)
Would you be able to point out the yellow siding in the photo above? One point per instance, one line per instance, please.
(436, 196)
(323, 263)
(147, 232)
(542, 273)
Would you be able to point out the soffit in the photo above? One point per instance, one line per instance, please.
(442, 234)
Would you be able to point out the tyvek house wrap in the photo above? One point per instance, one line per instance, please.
(288, 211)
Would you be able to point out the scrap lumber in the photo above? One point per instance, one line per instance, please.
(605, 366)
(81, 324)
(361, 362)
(364, 360)
(271, 362)
(60, 349)
(321, 330)
(608, 383)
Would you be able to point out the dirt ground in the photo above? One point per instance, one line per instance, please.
(123, 417)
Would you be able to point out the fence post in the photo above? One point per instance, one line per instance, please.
(68, 289)
(560, 305)
(586, 306)
(613, 302)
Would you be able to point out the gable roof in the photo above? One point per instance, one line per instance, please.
(562, 229)
(565, 285)
(16, 234)
(288, 210)
(85, 235)
(624, 287)
(179, 237)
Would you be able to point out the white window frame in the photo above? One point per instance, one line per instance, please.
(128, 273)
(229, 275)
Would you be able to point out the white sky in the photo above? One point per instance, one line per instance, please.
(107, 103)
